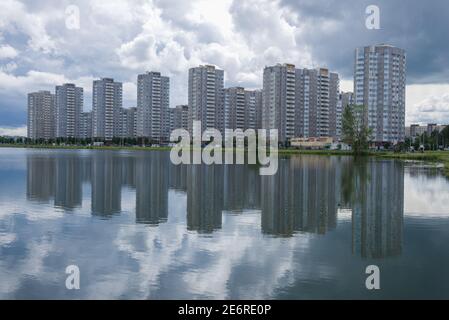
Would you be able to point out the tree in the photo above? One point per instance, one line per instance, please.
(355, 132)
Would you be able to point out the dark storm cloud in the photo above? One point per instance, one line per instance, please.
(420, 27)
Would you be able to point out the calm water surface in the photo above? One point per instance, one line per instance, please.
(139, 227)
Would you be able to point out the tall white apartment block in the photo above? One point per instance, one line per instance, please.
(205, 101)
(181, 117)
(106, 104)
(234, 108)
(379, 85)
(127, 123)
(41, 115)
(69, 106)
(86, 125)
(153, 99)
(316, 102)
(253, 109)
(344, 99)
(278, 110)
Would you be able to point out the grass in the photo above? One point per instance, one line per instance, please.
(47, 146)
(432, 156)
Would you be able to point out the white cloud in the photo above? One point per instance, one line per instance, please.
(7, 52)
(13, 132)
(427, 104)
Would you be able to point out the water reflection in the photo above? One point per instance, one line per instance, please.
(304, 196)
(140, 227)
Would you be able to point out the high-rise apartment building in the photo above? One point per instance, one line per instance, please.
(153, 99)
(234, 108)
(128, 123)
(206, 84)
(278, 110)
(106, 104)
(379, 85)
(41, 115)
(253, 109)
(316, 102)
(344, 99)
(85, 129)
(69, 106)
(181, 117)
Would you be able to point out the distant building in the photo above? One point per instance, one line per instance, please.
(206, 84)
(344, 99)
(85, 125)
(312, 142)
(127, 123)
(253, 109)
(69, 106)
(106, 104)
(234, 108)
(181, 117)
(153, 100)
(431, 127)
(379, 84)
(41, 115)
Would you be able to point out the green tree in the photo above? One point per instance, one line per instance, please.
(355, 132)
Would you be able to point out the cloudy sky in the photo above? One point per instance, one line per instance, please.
(39, 47)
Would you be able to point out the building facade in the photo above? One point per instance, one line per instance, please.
(205, 101)
(85, 130)
(234, 108)
(106, 104)
(153, 100)
(69, 106)
(181, 117)
(253, 109)
(41, 115)
(128, 120)
(278, 109)
(379, 85)
(316, 103)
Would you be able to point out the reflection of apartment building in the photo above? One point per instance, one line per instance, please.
(68, 182)
(302, 197)
(378, 209)
(106, 179)
(204, 197)
(152, 188)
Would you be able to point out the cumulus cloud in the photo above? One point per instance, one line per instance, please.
(431, 104)
(13, 132)
(7, 52)
(120, 39)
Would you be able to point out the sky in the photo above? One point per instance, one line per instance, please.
(41, 46)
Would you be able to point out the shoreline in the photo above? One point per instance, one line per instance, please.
(430, 156)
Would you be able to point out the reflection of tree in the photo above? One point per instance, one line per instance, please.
(354, 175)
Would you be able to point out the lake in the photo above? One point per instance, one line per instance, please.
(139, 227)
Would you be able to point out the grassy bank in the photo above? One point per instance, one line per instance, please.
(136, 148)
(432, 156)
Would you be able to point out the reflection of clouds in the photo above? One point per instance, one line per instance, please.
(239, 243)
(426, 195)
